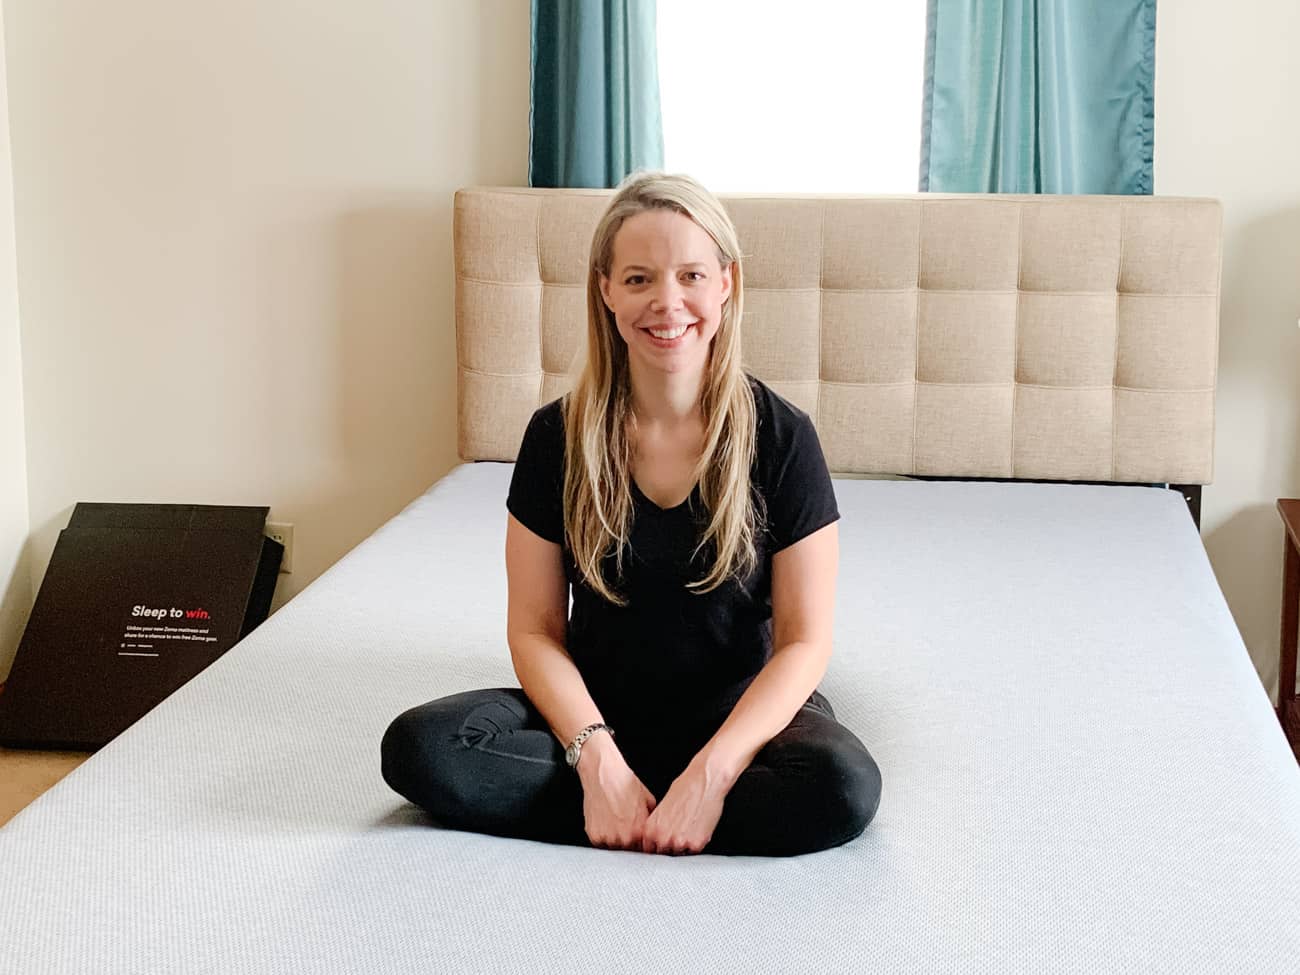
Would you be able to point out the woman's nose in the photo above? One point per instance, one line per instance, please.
(666, 295)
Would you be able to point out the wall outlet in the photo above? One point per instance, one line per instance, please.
(282, 532)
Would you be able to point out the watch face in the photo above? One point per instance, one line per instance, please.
(571, 754)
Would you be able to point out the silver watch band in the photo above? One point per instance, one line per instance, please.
(574, 751)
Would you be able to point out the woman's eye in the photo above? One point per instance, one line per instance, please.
(694, 276)
(634, 280)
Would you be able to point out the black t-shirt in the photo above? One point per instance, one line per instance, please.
(672, 652)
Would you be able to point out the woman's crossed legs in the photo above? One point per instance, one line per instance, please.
(486, 761)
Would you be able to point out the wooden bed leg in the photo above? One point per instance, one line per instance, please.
(1192, 495)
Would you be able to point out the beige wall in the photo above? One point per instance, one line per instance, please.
(15, 581)
(1226, 81)
(234, 225)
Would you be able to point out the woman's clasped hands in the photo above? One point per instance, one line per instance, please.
(622, 814)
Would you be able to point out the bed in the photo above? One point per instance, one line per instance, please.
(1082, 772)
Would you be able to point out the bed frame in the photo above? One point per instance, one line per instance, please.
(1056, 338)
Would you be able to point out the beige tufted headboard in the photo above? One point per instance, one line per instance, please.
(1056, 337)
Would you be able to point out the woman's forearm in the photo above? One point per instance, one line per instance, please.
(764, 710)
(551, 680)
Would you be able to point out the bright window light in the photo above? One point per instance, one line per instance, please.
(809, 96)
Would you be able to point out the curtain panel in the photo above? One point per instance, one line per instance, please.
(1039, 96)
(595, 92)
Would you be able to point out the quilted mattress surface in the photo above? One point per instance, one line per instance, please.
(1081, 773)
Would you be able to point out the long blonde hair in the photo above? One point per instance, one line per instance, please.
(598, 451)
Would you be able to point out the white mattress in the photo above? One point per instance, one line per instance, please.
(1081, 774)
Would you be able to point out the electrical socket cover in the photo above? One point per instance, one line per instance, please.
(282, 532)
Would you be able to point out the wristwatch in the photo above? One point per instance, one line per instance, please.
(574, 751)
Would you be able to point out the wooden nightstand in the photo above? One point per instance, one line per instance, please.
(1288, 708)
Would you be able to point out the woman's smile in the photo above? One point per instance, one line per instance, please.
(668, 336)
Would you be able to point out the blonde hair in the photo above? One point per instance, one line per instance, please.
(597, 411)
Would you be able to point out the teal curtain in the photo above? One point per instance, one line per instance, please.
(595, 92)
(1039, 96)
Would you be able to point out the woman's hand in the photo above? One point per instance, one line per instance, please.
(684, 822)
(615, 802)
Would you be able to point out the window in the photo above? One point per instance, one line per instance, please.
(800, 96)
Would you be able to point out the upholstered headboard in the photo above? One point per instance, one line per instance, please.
(1058, 337)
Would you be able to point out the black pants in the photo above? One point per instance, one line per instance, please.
(486, 761)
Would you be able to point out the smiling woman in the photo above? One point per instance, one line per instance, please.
(666, 287)
(689, 510)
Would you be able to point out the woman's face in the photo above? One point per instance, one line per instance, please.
(666, 290)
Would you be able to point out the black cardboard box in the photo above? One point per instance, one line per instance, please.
(137, 599)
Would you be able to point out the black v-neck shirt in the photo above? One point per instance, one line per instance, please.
(672, 653)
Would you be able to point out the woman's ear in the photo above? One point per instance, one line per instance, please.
(604, 291)
(726, 281)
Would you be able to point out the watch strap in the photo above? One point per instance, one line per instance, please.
(583, 735)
